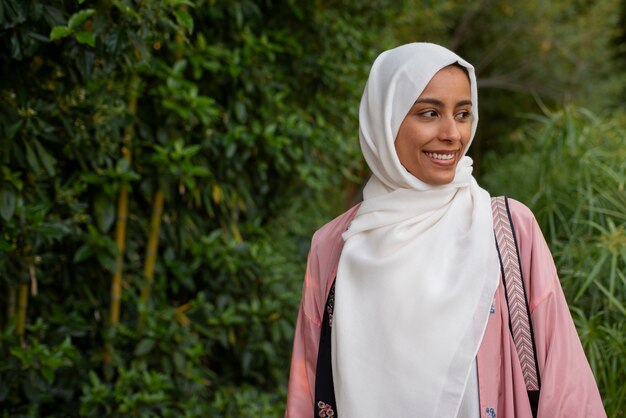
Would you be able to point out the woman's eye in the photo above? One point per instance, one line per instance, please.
(466, 114)
(429, 114)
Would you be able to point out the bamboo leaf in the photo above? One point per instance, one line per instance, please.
(106, 261)
(5, 245)
(104, 211)
(13, 129)
(179, 67)
(83, 253)
(7, 203)
(4, 391)
(59, 32)
(48, 374)
(53, 230)
(144, 347)
(182, 2)
(79, 17)
(179, 361)
(184, 19)
(46, 159)
(32, 159)
(86, 38)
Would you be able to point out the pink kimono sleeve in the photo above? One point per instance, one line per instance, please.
(301, 389)
(568, 388)
(302, 376)
(321, 268)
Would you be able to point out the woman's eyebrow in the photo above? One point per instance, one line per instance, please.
(438, 102)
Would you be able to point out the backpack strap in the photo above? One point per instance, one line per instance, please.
(516, 299)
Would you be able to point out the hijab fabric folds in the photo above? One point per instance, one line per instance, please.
(419, 267)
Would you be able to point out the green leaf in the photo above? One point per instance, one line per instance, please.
(86, 38)
(122, 166)
(5, 245)
(199, 171)
(184, 19)
(179, 66)
(11, 130)
(37, 36)
(59, 32)
(611, 297)
(32, 159)
(181, 3)
(114, 40)
(104, 211)
(144, 347)
(48, 374)
(53, 230)
(46, 159)
(7, 203)
(4, 391)
(79, 17)
(83, 253)
(179, 361)
(106, 261)
(241, 112)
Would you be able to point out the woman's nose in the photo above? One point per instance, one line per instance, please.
(449, 130)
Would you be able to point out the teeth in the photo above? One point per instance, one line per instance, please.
(440, 156)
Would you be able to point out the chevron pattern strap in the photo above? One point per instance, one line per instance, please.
(519, 318)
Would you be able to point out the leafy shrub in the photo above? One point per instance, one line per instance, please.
(570, 168)
(162, 165)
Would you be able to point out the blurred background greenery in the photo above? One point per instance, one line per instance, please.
(163, 165)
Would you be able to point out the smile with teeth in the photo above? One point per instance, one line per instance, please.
(436, 156)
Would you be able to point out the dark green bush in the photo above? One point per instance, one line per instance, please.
(236, 114)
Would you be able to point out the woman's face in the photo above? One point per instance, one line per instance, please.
(433, 135)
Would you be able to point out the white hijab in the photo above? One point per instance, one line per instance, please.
(419, 267)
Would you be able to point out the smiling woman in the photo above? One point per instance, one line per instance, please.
(435, 132)
(403, 311)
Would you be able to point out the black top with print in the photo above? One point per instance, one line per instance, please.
(325, 405)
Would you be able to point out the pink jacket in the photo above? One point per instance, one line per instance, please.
(568, 388)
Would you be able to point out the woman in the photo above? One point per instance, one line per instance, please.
(403, 313)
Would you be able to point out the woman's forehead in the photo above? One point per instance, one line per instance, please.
(449, 82)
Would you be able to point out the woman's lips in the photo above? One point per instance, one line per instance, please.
(445, 158)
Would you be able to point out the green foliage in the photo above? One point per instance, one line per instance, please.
(246, 121)
(570, 167)
(241, 121)
(246, 401)
(37, 373)
(74, 23)
(526, 52)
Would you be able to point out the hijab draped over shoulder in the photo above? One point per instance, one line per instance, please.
(419, 268)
